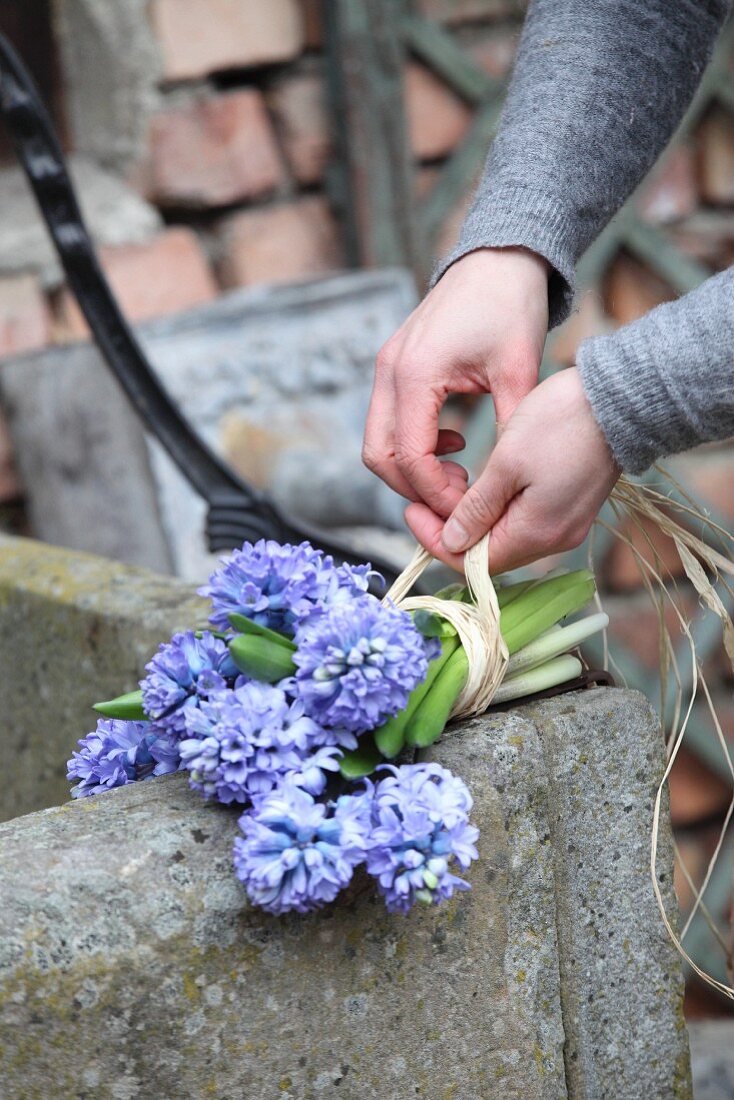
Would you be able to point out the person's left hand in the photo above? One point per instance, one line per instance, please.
(546, 479)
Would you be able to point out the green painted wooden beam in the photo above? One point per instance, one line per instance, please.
(437, 48)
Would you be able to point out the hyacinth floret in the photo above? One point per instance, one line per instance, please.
(243, 741)
(117, 753)
(296, 854)
(280, 586)
(183, 672)
(358, 663)
(420, 827)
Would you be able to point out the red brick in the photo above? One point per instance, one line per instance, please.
(716, 158)
(708, 475)
(168, 275)
(695, 791)
(620, 567)
(300, 110)
(276, 244)
(25, 319)
(313, 23)
(204, 36)
(213, 152)
(588, 319)
(437, 118)
(670, 193)
(9, 483)
(632, 289)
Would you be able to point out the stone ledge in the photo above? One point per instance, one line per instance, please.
(130, 960)
(74, 628)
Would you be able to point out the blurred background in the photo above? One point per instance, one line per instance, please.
(269, 185)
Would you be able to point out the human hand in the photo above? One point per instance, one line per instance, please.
(481, 329)
(541, 490)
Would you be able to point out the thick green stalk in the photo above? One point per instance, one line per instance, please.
(549, 675)
(537, 609)
(554, 642)
(431, 716)
(390, 737)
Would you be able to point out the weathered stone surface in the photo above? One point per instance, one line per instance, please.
(111, 66)
(73, 629)
(620, 974)
(25, 318)
(293, 364)
(132, 962)
(114, 213)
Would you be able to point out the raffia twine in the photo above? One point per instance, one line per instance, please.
(478, 627)
(477, 624)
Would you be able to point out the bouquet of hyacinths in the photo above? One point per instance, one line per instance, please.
(295, 705)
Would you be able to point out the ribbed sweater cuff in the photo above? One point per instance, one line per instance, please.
(517, 217)
(634, 408)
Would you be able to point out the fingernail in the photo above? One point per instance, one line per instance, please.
(454, 536)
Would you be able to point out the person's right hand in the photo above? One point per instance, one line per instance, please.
(481, 329)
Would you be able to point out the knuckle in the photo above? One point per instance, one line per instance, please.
(406, 459)
(371, 456)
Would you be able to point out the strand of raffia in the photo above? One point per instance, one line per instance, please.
(477, 624)
(642, 504)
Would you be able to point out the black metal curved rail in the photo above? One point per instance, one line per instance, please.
(236, 511)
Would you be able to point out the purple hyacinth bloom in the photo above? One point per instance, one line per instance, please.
(183, 672)
(358, 663)
(296, 853)
(117, 753)
(280, 586)
(242, 741)
(420, 826)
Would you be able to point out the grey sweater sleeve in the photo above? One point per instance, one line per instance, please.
(665, 382)
(597, 90)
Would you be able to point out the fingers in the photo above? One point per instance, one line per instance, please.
(449, 442)
(482, 506)
(427, 528)
(417, 410)
(378, 448)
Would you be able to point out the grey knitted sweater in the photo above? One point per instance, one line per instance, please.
(597, 90)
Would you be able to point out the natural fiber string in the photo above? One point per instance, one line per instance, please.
(478, 627)
(700, 562)
(477, 624)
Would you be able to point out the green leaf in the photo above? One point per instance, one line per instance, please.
(247, 626)
(128, 707)
(432, 625)
(361, 761)
(261, 659)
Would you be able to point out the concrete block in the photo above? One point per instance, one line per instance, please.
(131, 964)
(289, 366)
(73, 629)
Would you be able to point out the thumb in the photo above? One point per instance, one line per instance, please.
(482, 505)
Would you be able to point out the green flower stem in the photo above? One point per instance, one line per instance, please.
(390, 737)
(432, 714)
(541, 606)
